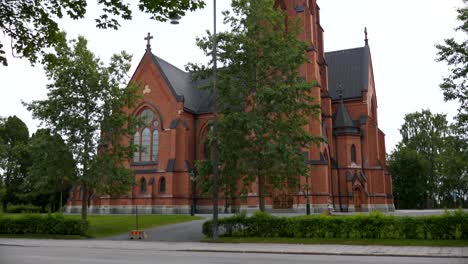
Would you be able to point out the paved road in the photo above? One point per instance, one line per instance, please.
(70, 255)
(184, 232)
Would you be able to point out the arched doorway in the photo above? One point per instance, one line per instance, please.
(358, 198)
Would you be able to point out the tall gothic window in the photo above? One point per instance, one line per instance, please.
(147, 137)
(154, 156)
(145, 144)
(353, 153)
(136, 142)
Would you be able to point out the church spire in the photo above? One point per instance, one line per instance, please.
(343, 123)
(366, 40)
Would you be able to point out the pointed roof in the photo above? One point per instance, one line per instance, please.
(343, 123)
(351, 68)
(183, 88)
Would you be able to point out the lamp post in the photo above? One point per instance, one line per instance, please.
(193, 206)
(175, 21)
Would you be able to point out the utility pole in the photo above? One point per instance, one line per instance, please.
(215, 128)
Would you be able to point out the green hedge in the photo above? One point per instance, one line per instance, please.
(23, 208)
(42, 224)
(360, 226)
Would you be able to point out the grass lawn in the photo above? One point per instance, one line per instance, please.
(108, 225)
(386, 242)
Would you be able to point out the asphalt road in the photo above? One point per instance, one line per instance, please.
(184, 232)
(71, 255)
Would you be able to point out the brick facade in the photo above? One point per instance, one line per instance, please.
(348, 171)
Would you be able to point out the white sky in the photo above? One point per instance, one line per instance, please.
(402, 35)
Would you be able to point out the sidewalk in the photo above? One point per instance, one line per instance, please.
(410, 251)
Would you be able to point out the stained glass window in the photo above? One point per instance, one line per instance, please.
(136, 142)
(155, 145)
(145, 144)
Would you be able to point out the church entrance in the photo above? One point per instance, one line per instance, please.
(358, 199)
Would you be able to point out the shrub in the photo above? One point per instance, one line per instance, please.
(366, 226)
(23, 208)
(55, 224)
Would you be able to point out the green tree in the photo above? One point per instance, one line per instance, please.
(454, 160)
(33, 25)
(455, 84)
(14, 160)
(86, 105)
(409, 170)
(53, 169)
(262, 99)
(425, 133)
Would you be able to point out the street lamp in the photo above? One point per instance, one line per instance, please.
(192, 179)
(175, 20)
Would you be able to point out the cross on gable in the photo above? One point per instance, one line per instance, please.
(340, 91)
(366, 40)
(148, 39)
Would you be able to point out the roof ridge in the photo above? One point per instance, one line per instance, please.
(170, 64)
(344, 50)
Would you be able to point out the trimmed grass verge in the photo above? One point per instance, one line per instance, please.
(337, 241)
(107, 225)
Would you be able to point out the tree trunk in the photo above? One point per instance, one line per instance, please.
(5, 205)
(261, 192)
(84, 203)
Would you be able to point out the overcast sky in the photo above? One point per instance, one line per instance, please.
(402, 35)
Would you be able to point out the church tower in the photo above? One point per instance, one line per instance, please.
(317, 156)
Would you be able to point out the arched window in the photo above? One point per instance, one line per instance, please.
(206, 149)
(145, 144)
(162, 185)
(353, 153)
(136, 142)
(143, 185)
(155, 144)
(147, 137)
(206, 142)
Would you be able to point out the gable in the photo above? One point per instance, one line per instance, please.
(183, 88)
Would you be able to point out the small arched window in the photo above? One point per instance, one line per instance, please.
(353, 153)
(143, 185)
(206, 149)
(162, 185)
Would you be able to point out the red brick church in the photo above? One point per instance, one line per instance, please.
(349, 172)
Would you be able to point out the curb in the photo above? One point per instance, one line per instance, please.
(316, 253)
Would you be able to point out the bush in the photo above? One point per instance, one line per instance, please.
(55, 224)
(360, 226)
(23, 208)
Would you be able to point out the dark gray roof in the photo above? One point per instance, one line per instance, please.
(180, 82)
(350, 68)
